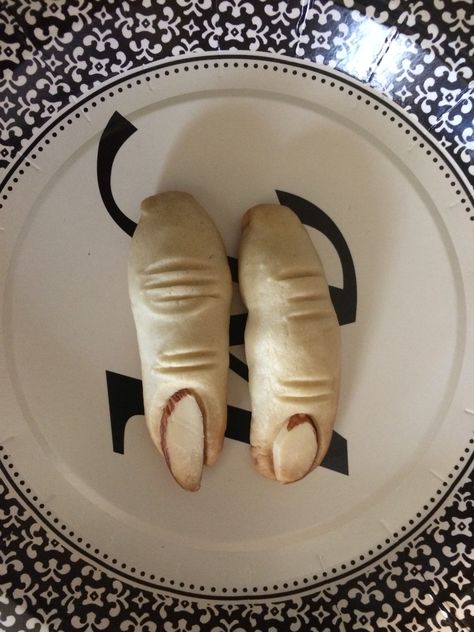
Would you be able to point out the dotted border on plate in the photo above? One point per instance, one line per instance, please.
(146, 580)
(344, 85)
(301, 71)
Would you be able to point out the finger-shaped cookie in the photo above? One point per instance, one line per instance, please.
(180, 291)
(292, 344)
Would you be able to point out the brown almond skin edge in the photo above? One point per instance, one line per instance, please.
(264, 462)
(167, 412)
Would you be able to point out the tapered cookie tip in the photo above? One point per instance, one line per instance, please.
(294, 449)
(211, 454)
(263, 462)
(166, 197)
(182, 439)
(260, 210)
(245, 221)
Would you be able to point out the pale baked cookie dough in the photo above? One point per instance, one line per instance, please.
(292, 344)
(180, 291)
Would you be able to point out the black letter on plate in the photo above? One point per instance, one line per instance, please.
(126, 400)
(345, 299)
(117, 131)
(125, 393)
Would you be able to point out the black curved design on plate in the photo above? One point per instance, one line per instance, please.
(116, 132)
(438, 539)
(125, 393)
(345, 299)
(126, 401)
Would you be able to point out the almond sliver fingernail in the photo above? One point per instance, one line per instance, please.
(294, 449)
(182, 439)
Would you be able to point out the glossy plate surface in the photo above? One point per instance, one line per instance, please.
(385, 205)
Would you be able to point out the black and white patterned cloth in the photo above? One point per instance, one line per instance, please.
(417, 53)
(426, 584)
(420, 56)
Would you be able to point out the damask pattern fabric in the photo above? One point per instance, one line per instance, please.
(426, 585)
(418, 54)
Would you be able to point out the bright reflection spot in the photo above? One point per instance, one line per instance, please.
(400, 61)
(443, 615)
(364, 47)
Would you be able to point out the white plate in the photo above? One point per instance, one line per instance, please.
(235, 131)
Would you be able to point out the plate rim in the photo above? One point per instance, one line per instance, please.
(306, 65)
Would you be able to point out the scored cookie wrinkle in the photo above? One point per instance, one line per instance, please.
(180, 291)
(292, 344)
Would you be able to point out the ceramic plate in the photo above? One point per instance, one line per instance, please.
(386, 208)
